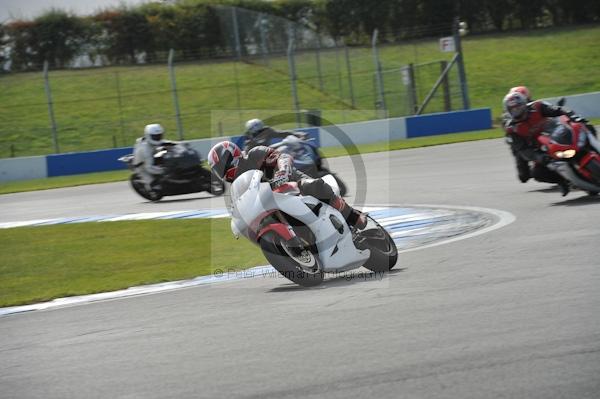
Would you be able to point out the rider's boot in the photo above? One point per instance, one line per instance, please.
(353, 216)
(564, 187)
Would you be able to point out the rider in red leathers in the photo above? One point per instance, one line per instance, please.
(524, 122)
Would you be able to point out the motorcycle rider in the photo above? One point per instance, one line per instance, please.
(524, 90)
(143, 154)
(258, 134)
(524, 122)
(228, 162)
(522, 164)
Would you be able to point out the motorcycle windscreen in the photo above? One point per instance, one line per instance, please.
(562, 135)
(243, 182)
(181, 158)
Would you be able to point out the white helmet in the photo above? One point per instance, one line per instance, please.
(154, 133)
(253, 126)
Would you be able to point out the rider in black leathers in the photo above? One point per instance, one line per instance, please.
(259, 134)
(228, 162)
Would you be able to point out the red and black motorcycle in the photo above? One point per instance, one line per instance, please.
(575, 154)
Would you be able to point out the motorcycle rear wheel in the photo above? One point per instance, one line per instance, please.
(217, 188)
(384, 253)
(295, 268)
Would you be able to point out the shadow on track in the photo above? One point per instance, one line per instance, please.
(553, 189)
(176, 200)
(341, 281)
(579, 201)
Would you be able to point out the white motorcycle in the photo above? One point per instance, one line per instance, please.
(302, 237)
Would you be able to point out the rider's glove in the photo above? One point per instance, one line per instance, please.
(279, 178)
(543, 158)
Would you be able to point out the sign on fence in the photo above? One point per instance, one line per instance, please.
(447, 44)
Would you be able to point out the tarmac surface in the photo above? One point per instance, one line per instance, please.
(510, 313)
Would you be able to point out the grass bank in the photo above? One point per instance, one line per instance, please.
(42, 263)
(101, 108)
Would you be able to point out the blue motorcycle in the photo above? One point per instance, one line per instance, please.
(307, 158)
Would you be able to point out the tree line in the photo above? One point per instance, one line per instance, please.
(121, 35)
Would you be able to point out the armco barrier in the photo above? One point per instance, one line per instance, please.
(86, 162)
(406, 127)
(586, 105)
(363, 132)
(25, 168)
(448, 122)
(356, 133)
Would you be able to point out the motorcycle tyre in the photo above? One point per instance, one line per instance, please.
(217, 189)
(270, 244)
(139, 188)
(594, 168)
(380, 260)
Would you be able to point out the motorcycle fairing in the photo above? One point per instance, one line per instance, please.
(252, 198)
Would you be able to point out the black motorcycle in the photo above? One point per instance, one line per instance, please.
(184, 174)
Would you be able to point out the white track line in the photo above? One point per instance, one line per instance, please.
(504, 219)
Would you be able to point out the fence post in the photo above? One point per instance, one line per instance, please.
(318, 54)
(412, 89)
(462, 76)
(293, 78)
(50, 108)
(238, 96)
(175, 98)
(120, 104)
(263, 40)
(349, 71)
(380, 104)
(236, 33)
(338, 67)
(446, 86)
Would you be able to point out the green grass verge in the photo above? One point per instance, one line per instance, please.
(106, 177)
(100, 108)
(42, 263)
(63, 181)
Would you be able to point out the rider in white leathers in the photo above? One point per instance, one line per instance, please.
(143, 154)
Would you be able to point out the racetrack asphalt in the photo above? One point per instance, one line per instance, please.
(510, 313)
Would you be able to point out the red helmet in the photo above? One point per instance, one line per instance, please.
(523, 90)
(223, 159)
(515, 104)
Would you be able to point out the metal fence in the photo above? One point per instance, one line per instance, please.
(275, 66)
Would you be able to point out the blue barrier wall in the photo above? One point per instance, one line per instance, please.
(362, 132)
(104, 160)
(86, 162)
(448, 122)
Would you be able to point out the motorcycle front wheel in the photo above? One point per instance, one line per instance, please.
(299, 265)
(594, 168)
(384, 253)
(139, 187)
